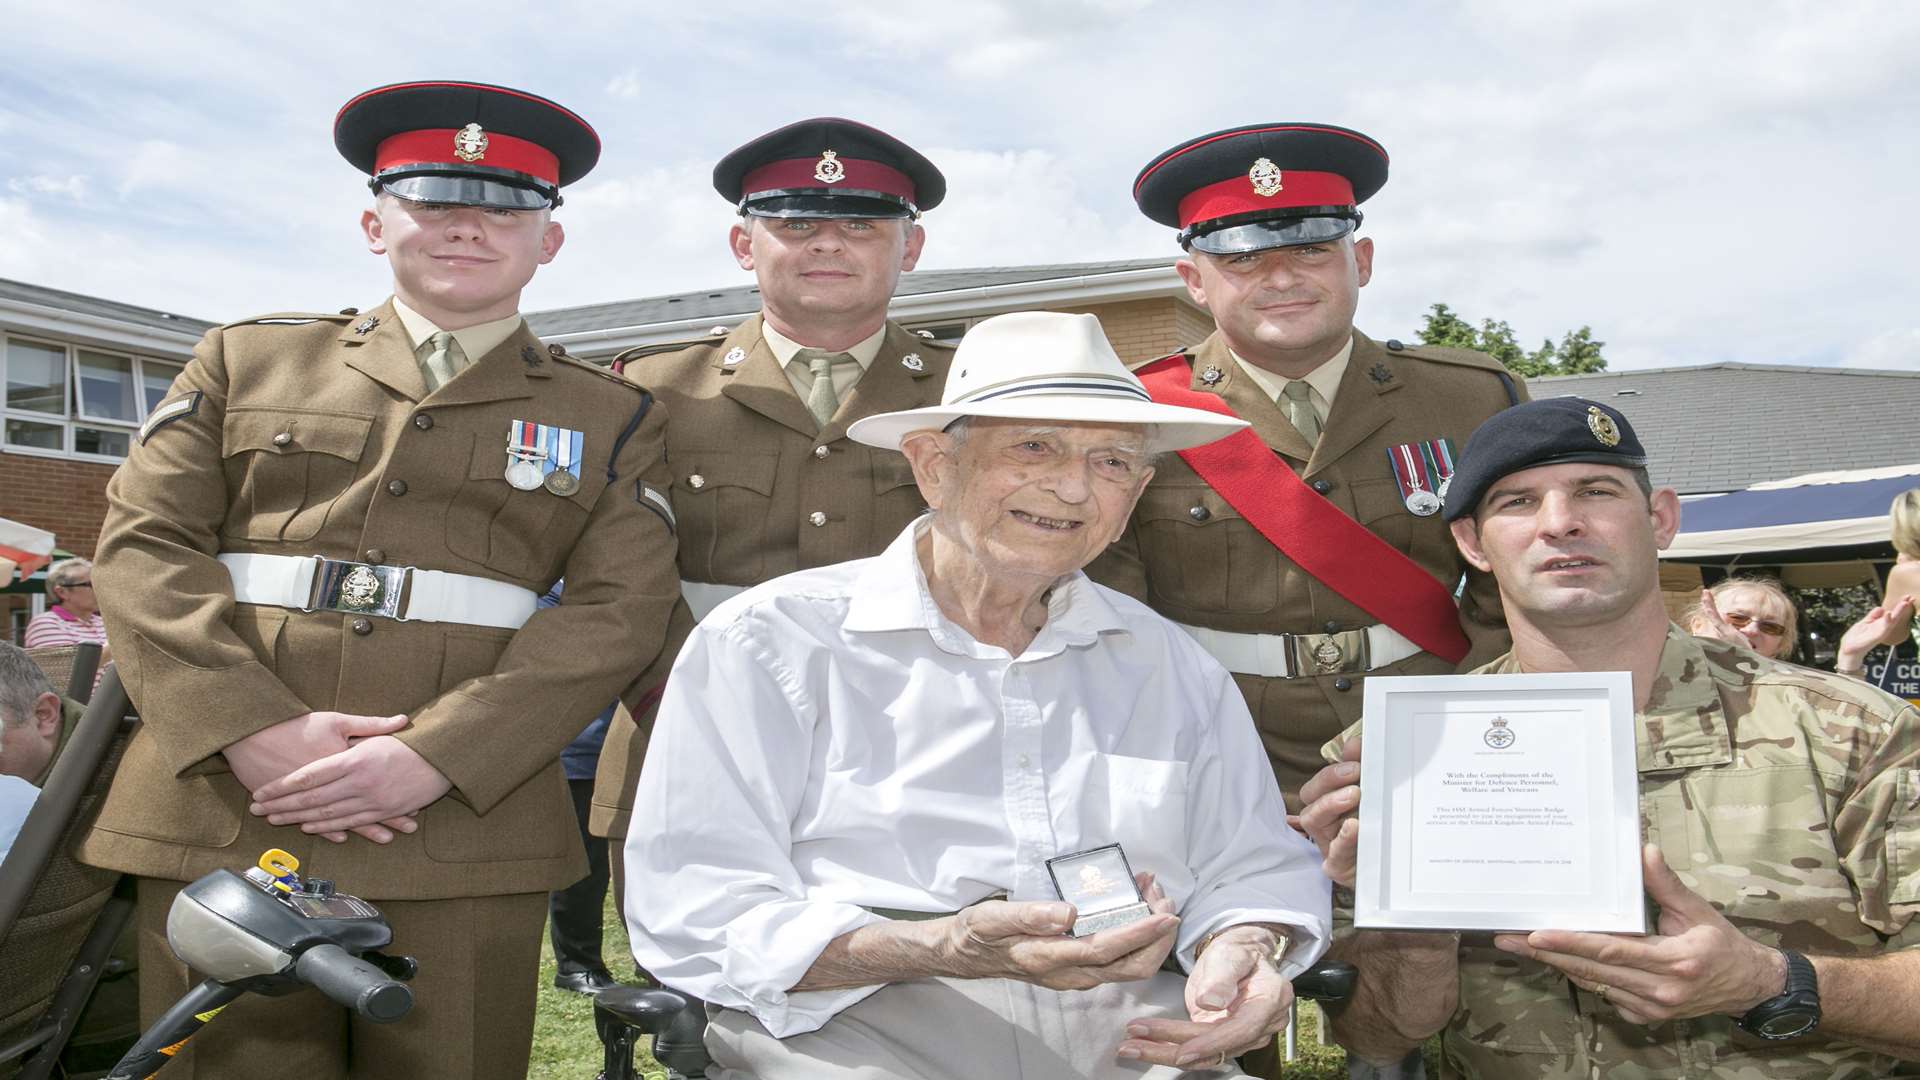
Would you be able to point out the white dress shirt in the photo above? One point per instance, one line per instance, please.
(829, 741)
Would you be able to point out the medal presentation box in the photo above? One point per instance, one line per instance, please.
(1099, 884)
(1499, 802)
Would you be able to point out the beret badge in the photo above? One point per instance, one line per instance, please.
(1602, 426)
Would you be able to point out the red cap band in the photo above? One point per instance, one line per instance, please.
(1236, 195)
(858, 174)
(435, 146)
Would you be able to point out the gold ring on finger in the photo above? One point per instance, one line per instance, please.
(1601, 990)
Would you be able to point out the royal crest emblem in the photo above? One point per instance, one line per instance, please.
(470, 143)
(1499, 736)
(1602, 426)
(913, 363)
(361, 590)
(829, 171)
(1327, 656)
(1266, 178)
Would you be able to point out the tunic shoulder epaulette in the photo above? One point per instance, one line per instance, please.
(1138, 364)
(638, 351)
(293, 318)
(1445, 355)
(606, 373)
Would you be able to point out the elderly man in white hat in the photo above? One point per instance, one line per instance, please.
(860, 773)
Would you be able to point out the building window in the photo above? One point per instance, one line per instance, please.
(70, 400)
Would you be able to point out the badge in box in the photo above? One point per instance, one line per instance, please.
(1099, 884)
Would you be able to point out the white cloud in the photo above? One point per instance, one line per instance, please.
(158, 164)
(72, 187)
(627, 86)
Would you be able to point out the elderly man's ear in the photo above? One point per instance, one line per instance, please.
(930, 453)
(46, 715)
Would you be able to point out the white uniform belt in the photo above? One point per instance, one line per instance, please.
(703, 596)
(1288, 656)
(406, 593)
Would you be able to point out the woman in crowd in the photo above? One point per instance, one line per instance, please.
(74, 617)
(1893, 620)
(1752, 611)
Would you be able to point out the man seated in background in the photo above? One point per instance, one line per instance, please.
(860, 771)
(34, 720)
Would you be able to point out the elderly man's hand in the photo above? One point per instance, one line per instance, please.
(997, 939)
(1329, 818)
(1236, 1001)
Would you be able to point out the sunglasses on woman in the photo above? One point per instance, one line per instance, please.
(1766, 626)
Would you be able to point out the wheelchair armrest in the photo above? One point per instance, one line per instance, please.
(677, 1022)
(1328, 980)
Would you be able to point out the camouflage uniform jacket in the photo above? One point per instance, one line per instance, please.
(1790, 799)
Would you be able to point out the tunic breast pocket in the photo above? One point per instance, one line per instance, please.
(896, 498)
(292, 466)
(518, 533)
(724, 501)
(1200, 553)
(1377, 505)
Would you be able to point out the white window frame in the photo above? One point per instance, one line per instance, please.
(73, 416)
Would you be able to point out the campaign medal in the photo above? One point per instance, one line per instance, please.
(563, 477)
(524, 455)
(1422, 470)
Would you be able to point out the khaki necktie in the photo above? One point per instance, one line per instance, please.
(822, 401)
(443, 361)
(1300, 410)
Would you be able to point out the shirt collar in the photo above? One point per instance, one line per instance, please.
(892, 594)
(784, 347)
(1323, 380)
(475, 341)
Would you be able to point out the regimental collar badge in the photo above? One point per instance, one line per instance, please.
(1211, 375)
(829, 171)
(1380, 373)
(1602, 426)
(531, 357)
(365, 326)
(734, 356)
(913, 363)
(470, 143)
(1266, 178)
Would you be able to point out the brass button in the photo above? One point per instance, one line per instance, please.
(363, 627)
(1199, 513)
(376, 556)
(1323, 486)
(1395, 344)
(821, 451)
(396, 487)
(282, 439)
(696, 481)
(817, 519)
(1343, 684)
(423, 421)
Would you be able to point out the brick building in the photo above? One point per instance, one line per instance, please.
(81, 372)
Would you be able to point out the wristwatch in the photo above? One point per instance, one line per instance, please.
(1795, 1011)
(1280, 945)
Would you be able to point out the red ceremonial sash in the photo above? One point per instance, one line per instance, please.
(1339, 551)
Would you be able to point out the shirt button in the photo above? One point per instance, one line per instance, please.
(1199, 513)
(1323, 486)
(423, 421)
(821, 452)
(376, 556)
(817, 519)
(282, 439)
(363, 627)
(396, 487)
(1343, 684)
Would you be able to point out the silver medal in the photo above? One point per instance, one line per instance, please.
(1423, 502)
(524, 475)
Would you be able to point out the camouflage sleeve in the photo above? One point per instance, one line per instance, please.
(1330, 750)
(1877, 827)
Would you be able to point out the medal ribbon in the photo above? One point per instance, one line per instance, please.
(1336, 549)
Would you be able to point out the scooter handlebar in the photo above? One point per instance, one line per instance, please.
(354, 983)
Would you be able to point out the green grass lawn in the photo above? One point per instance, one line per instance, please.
(565, 1047)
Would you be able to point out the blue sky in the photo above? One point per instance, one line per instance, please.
(1698, 181)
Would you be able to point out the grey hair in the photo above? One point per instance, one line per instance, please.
(21, 684)
(66, 571)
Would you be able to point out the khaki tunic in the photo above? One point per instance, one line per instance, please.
(761, 490)
(1790, 800)
(1197, 561)
(314, 435)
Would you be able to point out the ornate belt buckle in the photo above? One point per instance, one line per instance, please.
(1327, 656)
(358, 588)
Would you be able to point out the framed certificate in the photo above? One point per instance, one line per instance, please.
(1499, 802)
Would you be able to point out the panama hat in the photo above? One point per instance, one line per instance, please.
(1045, 365)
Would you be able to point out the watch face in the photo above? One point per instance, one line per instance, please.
(1789, 1023)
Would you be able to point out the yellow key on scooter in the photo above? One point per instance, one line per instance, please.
(283, 866)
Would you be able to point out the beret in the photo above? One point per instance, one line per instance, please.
(1551, 431)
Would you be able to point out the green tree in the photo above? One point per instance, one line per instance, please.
(1577, 354)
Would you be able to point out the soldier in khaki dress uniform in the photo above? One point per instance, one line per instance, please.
(322, 560)
(1266, 215)
(765, 480)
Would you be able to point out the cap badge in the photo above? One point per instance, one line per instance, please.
(1211, 375)
(829, 171)
(734, 356)
(1266, 178)
(1602, 426)
(470, 143)
(912, 362)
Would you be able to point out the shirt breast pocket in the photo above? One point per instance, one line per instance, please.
(1140, 804)
(291, 467)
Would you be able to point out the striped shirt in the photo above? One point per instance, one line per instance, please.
(57, 626)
